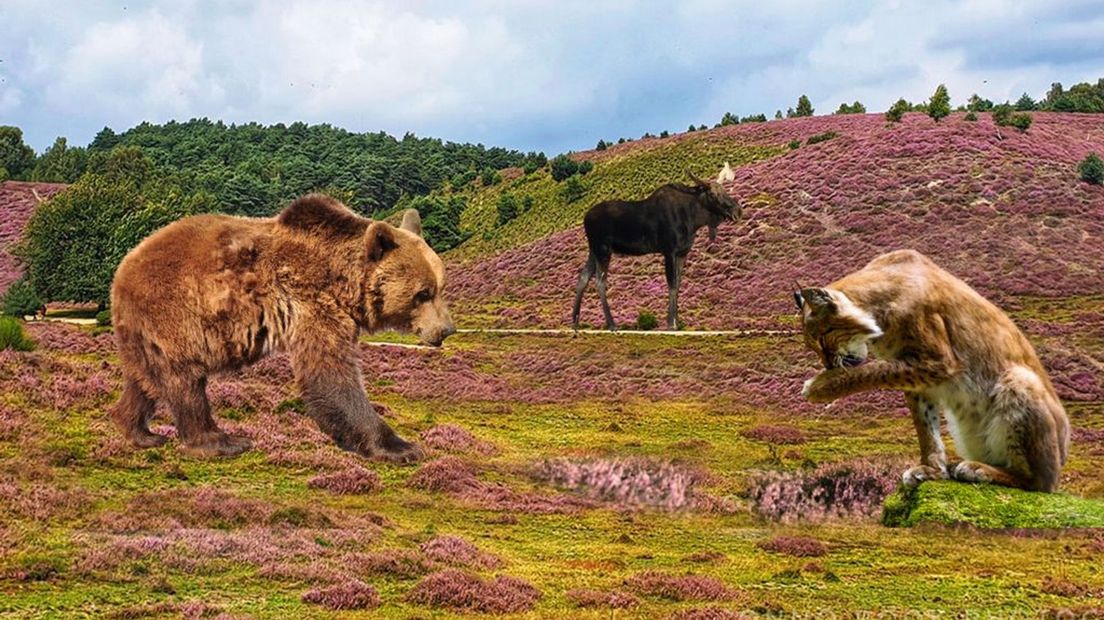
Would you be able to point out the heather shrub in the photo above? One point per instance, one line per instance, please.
(687, 587)
(1091, 169)
(351, 594)
(798, 546)
(351, 481)
(395, 562)
(462, 591)
(12, 335)
(632, 482)
(707, 613)
(456, 551)
(646, 321)
(453, 438)
(829, 491)
(448, 474)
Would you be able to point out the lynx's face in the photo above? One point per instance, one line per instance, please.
(835, 328)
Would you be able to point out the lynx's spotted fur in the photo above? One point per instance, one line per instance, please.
(951, 352)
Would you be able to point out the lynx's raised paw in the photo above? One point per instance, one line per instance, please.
(913, 476)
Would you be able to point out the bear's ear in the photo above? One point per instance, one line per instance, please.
(412, 222)
(380, 239)
(322, 215)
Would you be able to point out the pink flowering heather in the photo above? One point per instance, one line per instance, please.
(459, 479)
(17, 203)
(455, 551)
(462, 591)
(351, 594)
(844, 490)
(687, 587)
(453, 438)
(629, 482)
(611, 599)
(66, 338)
(354, 480)
(401, 563)
(798, 546)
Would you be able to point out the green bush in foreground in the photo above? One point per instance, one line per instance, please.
(21, 299)
(103, 318)
(1092, 169)
(12, 335)
(646, 321)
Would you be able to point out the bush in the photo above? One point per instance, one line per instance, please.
(1092, 169)
(897, 111)
(21, 299)
(970, 116)
(490, 177)
(854, 108)
(103, 318)
(1002, 114)
(804, 107)
(794, 144)
(601, 146)
(585, 167)
(646, 321)
(939, 106)
(821, 137)
(573, 189)
(12, 335)
(729, 119)
(562, 167)
(1021, 121)
(507, 208)
(754, 118)
(531, 166)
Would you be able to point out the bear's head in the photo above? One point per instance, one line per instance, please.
(389, 277)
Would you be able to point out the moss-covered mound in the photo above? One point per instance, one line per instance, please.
(988, 506)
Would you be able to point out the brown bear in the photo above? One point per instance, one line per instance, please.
(214, 293)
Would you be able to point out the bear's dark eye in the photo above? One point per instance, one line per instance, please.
(423, 296)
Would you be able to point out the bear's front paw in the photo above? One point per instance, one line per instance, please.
(216, 444)
(395, 449)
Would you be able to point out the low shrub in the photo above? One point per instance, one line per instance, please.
(1021, 121)
(646, 321)
(1091, 169)
(21, 299)
(12, 335)
(103, 318)
(821, 137)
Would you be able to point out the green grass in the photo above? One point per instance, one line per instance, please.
(988, 506)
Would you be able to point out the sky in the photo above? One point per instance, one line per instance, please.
(531, 75)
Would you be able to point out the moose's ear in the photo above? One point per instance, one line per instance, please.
(380, 238)
(412, 222)
(818, 299)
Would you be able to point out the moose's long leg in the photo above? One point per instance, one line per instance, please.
(672, 265)
(933, 456)
(584, 279)
(602, 270)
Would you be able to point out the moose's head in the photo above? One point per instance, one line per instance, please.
(716, 201)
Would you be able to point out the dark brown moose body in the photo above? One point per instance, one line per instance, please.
(214, 293)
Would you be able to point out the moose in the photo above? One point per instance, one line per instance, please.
(663, 223)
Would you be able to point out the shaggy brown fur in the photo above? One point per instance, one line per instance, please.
(947, 348)
(214, 293)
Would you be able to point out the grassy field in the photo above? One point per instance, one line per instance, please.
(590, 477)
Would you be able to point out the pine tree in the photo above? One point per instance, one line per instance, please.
(939, 106)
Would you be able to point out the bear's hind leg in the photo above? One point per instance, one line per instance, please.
(196, 428)
(132, 414)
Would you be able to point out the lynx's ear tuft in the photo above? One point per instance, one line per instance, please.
(818, 299)
(319, 214)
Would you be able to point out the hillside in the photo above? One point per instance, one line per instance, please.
(17, 203)
(1004, 210)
